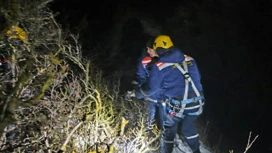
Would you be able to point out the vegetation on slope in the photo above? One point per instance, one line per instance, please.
(55, 100)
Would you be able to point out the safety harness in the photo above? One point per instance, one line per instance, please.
(178, 106)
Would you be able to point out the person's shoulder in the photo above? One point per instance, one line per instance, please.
(175, 50)
(188, 58)
(145, 60)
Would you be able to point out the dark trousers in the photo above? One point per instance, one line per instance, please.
(188, 130)
(153, 116)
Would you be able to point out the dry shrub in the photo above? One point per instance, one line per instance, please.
(59, 100)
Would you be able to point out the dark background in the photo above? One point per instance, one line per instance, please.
(230, 40)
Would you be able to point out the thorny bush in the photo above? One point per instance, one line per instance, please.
(57, 100)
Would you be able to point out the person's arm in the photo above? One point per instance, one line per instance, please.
(141, 73)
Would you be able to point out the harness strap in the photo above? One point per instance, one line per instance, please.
(166, 141)
(173, 104)
(186, 75)
(188, 80)
(146, 97)
(191, 100)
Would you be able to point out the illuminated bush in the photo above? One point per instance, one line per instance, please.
(58, 100)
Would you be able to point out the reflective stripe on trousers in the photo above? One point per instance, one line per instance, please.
(188, 130)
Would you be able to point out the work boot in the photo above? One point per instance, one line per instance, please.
(198, 151)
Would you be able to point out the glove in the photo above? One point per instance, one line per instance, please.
(129, 95)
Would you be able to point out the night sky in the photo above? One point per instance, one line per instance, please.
(230, 40)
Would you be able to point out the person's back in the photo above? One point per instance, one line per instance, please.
(180, 97)
(173, 79)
